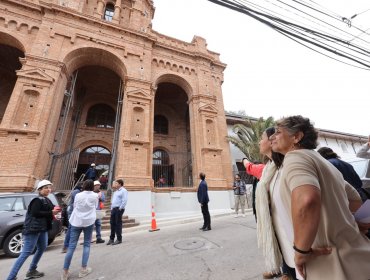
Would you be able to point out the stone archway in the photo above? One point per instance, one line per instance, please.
(11, 50)
(171, 104)
(96, 81)
(89, 56)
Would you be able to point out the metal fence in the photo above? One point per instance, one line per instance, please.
(176, 173)
(64, 167)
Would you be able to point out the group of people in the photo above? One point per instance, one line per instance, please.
(304, 207)
(305, 201)
(85, 199)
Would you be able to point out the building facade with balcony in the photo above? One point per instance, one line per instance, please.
(86, 82)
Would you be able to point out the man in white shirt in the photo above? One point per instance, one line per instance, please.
(119, 201)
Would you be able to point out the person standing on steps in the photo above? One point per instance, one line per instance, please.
(203, 200)
(100, 206)
(119, 201)
(91, 172)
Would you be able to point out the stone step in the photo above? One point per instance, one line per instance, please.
(124, 221)
(124, 225)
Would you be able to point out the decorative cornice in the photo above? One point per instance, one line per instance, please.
(128, 142)
(26, 4)
(139, 81)
(30, 133)
(208, 109)
(35, 74)
(43, 60)
(212, 150)
(203, 97)
(138, 94)
(91, 18)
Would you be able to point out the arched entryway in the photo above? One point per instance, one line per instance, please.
(172, 162)
(91, 111)
(9, 64)
(98, 155)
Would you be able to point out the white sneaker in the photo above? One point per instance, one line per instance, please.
(64, 276)
(236, 216)
(84, 272)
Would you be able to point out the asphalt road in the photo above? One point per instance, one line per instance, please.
(228, 252)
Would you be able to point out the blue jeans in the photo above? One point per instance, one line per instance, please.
(98, 228)
(30, 241)
(75, 234)
(68, 232)
(67, 237)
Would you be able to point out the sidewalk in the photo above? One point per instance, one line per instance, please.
(163, 221)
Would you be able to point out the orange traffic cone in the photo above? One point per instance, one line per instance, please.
(154, 223)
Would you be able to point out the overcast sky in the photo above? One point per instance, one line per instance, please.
(270, 75)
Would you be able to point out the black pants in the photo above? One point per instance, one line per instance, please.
(116, 223)
(287, 270)
(206, 216)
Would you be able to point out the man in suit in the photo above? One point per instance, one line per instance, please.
(203, 200)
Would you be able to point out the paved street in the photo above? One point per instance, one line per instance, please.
(229, 251)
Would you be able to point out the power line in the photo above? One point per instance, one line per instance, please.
(355, 15)
(318, 39)
(331, 57)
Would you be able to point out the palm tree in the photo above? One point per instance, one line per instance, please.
(248, 136)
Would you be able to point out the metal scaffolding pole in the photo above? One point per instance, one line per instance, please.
(117, 125)
(70, 96)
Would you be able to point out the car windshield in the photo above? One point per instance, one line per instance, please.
(360, 167)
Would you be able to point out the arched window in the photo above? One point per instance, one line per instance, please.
(96, 150)
(109, 12)
(160, 124)
(101, 115)
(98, 155)
(160, 157)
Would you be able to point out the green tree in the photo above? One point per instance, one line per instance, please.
(248, 136)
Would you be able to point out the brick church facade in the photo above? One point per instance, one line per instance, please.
(86, 82)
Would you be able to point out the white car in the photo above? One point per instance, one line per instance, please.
(362, 167)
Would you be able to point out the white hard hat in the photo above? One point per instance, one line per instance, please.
(97, 183)
(43, 183)
(93, 164)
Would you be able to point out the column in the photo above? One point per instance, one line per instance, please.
(99, 9)
(117, 11)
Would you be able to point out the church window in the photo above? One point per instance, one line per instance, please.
(160, 124)
(101, 115)
(109, 12)
(160, 157)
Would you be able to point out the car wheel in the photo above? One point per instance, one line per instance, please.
(13, 244)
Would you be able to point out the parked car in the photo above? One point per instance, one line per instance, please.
(13, 209)
(362, 168)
